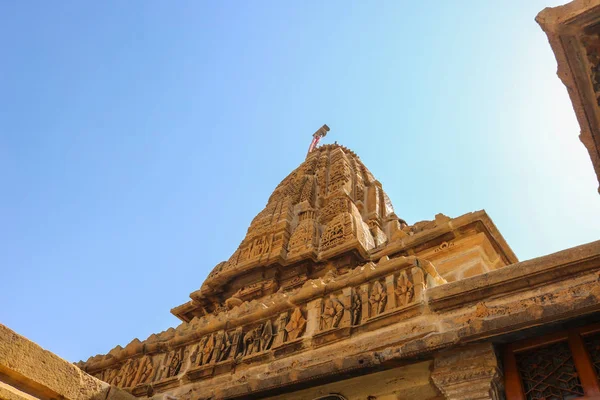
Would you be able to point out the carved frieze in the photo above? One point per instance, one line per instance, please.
(368, 294)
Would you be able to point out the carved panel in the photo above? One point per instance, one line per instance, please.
(334, 207)
(304, 237)
(338, 231)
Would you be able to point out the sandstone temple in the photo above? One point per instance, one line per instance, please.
(331, 295)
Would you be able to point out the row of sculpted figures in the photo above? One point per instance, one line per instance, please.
(368, 301)
(217, 347)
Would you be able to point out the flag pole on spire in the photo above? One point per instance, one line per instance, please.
(316, 137)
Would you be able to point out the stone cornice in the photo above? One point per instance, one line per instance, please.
(516, 277)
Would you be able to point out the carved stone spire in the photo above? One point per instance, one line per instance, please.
(330, 205)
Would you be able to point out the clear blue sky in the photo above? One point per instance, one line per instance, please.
(139, 138)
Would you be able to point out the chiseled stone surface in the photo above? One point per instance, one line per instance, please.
(8, 392)
(469, 373)
(374, 297)
(27, 370)
(331, 205)
(407, 382)
(574, 35)
(381, 295)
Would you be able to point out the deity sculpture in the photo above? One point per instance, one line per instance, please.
(332, 313)
(404, 290)
(378, 298)
(252, 341)
(146, 370)
(356, 307)
(266, 338)
(174, 363)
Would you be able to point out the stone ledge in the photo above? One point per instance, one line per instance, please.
(515, 277)
(27, 368)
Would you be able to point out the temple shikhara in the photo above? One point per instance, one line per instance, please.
(333, 295)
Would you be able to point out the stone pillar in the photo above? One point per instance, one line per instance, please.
(313, 316)
(418, 283)
(468, 373)
(364, 298)
(346, 300)
(390, 288)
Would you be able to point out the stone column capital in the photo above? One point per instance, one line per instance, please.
(468, 373)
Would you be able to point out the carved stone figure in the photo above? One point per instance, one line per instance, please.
(404, 290)
(295, 327)
(146, 370)
(207, 350)
(281, 335)
(252, 341)
(112, 376)
(197, 350)
(129, 372)
(332, 313)
(356, 307)
(219, 337)
(266, 338)
(236, 343)
(257, 338)
(378, 298)
(174, 363)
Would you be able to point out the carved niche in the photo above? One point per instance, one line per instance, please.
(295, 326)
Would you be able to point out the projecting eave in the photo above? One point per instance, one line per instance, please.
(573, 32)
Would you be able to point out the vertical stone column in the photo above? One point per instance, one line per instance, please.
(364, 298)
(418, 283)
(468, 373)
(313, 316)
(390, 288)
(346, 300)
(281, 333)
